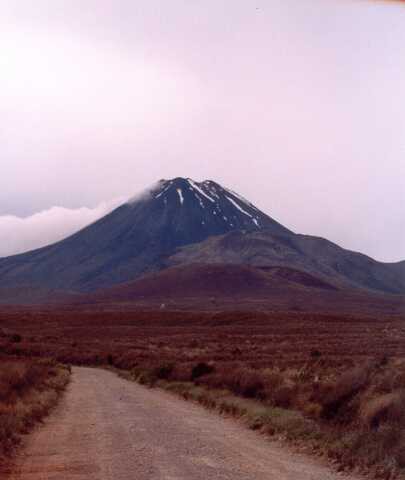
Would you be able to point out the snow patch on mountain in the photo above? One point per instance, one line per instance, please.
(180, 192)
(196, 187)
(238, 207)
(240, 198)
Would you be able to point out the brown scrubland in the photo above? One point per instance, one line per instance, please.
(332, 385)
(29, 389)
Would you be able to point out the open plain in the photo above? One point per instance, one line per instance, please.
(330, 384)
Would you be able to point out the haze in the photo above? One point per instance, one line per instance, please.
(298, 105)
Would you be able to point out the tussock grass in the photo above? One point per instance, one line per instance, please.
(28, 390)
(347, 420)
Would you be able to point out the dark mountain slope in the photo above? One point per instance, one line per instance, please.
(313, 255)
(136, 237)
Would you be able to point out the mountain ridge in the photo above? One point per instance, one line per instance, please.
(314, 255)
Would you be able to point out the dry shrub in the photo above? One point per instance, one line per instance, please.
(149, 374)
(385, 408)
(201, 369)
(163, 371)
(28, 390)
(335, 398)
(386, 383)
(312, 410)
(242, 381)
(18, 377)
(126, 360)
(284, 396)
(181, 372)
(246, 382)
(16, 338)
(398, 380)
(273, 379)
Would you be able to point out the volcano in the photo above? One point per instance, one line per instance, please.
(184, 222)
(137, 237)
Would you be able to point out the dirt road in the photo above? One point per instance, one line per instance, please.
(106, 428)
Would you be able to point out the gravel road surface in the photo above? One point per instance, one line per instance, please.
(107, 428)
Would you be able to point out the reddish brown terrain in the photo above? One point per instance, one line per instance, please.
(201, 287)
(331, 382)
(82, 336)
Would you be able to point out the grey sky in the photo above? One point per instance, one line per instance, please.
(298, 105)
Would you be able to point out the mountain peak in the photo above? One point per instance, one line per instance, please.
(208, 204)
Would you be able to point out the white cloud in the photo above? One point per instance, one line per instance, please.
(19, 235)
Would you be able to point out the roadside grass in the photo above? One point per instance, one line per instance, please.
(29, 388)
(349, 421)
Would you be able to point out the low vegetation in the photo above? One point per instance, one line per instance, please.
(356, 419)
(331, 385)
(29, 388)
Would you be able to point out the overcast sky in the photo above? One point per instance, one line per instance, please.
(299, 105)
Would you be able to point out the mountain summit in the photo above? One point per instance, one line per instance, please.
(185, 211)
